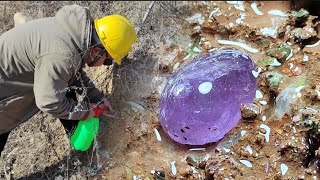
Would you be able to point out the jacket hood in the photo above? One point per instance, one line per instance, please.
(77, 22)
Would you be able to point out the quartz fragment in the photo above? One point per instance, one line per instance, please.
(173, 168)
(259, 95)
(196, 19)
(284, 169)
(256, 73)
(270, 61)
(255, 8)
(215, 10)
(276, 12)
(249, 149)
(283, 101)
(246, 162)
(305, 58)
(267, 134)
(242, 45)
(301, 16)
(201, 101)
(269, 31)
(264, 118)
(157, 134)
(263, 102)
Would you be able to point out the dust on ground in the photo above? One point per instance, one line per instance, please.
(277, 138)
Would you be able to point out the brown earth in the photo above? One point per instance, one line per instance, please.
(127, 147)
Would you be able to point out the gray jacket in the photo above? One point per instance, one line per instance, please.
(39, 60)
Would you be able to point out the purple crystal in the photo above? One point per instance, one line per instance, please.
(201, 101)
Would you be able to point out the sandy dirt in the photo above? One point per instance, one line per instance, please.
(127, 146)
(282, 157)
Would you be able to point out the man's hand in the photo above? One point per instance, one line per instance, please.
(106, 106)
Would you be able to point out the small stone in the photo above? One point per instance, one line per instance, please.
(284, 169)
(301, 13)
(274, 79)
(185, 173)
(191, 161)
(263, 102)
(270, 61)
(300, 17)
(259, 94)
(301, 33)
(308, 113)
(264, 43)
(196, 19)
(104, 153)
(246, 162)
(159, 174)
(249, 112)
(264, 118)
(263, 131)
(308, 171)
(211, 168)
(267, 132)
(202, 164)
(256, 73)
(173, 168)
(281, 53)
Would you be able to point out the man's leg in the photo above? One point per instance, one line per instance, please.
(3, 140)
(70, 125)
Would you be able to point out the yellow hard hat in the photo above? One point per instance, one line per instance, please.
(116, 35)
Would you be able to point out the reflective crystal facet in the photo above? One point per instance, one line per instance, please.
(201, 101)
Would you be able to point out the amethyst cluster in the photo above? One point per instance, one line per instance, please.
(201, 101)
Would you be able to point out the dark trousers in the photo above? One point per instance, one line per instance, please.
(3, 140)
(69, 125)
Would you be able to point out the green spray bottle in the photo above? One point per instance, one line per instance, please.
(86, 131)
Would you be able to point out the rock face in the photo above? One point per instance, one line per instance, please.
(201, 101)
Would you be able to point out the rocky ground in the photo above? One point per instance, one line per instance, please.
(277, 137)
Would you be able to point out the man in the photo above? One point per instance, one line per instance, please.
(41, 65)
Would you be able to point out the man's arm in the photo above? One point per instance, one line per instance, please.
(52, 74)
(93, 94)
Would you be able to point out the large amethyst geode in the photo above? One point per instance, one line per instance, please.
(201, 101)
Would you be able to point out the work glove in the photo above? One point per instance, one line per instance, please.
(106, 106)
(103, 107)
